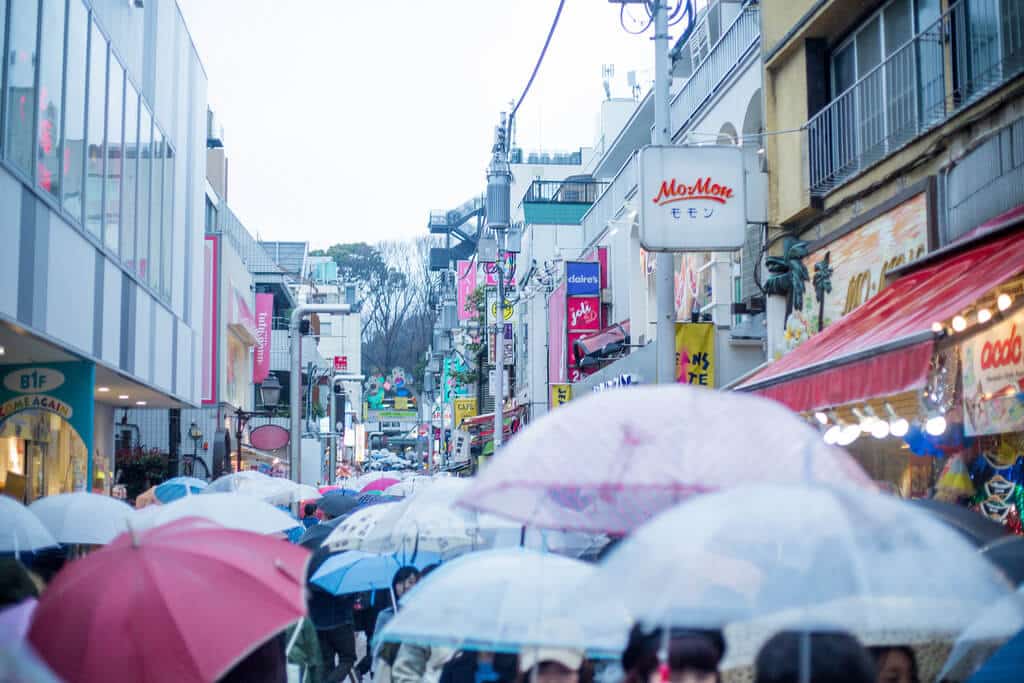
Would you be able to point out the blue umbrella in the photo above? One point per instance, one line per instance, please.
(357, 572)
(179, 487)
(1005, 665)
(352, 493)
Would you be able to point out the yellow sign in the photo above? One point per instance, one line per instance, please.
(695, 354)
(560, 394)
(493, 312)
(464, 408)
(401, 403)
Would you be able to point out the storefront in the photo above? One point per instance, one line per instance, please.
(46, 429)
(918, 372)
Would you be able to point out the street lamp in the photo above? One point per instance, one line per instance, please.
(196, 434)
(270, 394)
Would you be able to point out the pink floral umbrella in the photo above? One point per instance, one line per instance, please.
(379, 485)
(610, 461)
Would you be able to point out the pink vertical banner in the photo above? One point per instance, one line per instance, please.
(557, 370)
(261, 355)
(466, 274)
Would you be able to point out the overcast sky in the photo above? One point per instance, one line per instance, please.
(350, 121)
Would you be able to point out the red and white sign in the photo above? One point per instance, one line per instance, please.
(692, 198)
(269, 437)
(341, 363)
(583, 313)
(996, 358)
(464, 287)
(261, 354)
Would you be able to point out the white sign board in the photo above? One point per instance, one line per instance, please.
(692, 198)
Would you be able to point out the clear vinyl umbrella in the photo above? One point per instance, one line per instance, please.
(83, 517)
(501, 601)
(273, 490)
(231, 510)
(788, 554)
(611, 461)
(22, 531)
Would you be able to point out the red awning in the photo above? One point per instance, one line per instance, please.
(885, 346)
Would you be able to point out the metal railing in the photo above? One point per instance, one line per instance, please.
(564, 191)
(614, 197)
(972, 49)
(742, 36)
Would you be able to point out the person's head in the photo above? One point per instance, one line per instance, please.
(405, 578)
(310, 509)
(550, 665)
(429, 568)
(834, 656)
(16, 583)
(693, 655)
(895, 664)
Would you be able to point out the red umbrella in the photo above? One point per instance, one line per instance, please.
(183, 602)
(379, 485)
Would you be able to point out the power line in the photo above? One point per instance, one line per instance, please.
(540, 59)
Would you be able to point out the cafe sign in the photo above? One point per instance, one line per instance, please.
(692, 198)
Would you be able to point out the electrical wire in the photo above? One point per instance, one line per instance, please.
(536, 67)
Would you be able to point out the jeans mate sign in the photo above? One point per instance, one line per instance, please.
(692, 198)
(993, 379)
(583, 278)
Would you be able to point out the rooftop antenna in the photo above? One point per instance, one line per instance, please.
(607, 73)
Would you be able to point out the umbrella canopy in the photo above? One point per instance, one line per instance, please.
(273, 490)
(848, 557)
(426, 521)
(357, 572)
(19, 664)
(407, 487)
(22, 531)
(230, 510)
(498, 601)
(336, 505)
(977, 529)
(983, 638)
(314, 536)
(1007, 553)
(381, 484)
(610, 461)
(352, 529)
(179, 487)
(1005, 665)
(83, 517)
(14, 621)
(183, 602)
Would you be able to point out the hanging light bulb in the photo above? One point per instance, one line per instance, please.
(821, 417)
(879, 428)
(935, 425)
(832, 435)
(1004, 301)
(959, 323)
(937, 327)
(898, 426)
(849, 434)
(984, 315)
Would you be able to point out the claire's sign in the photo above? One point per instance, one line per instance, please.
(692, 198)
(583, 278)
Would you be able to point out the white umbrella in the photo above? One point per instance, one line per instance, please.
(231, 510)
(273, 490)
(848, 557)
(83, 517)
(352, 530)
(500, 601)
(22, 531)
(408, 486)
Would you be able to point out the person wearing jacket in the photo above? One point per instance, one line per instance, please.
(479, 667)
(416, 664)
(383, 655)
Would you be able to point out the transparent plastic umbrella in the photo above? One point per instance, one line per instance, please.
(610, 461)
(273, 490)
(357, 572)
(231, 510)
(83, 517)
(798, 554)
(22, 531)
(501, 601)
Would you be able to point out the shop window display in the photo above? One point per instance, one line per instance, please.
(42, 455)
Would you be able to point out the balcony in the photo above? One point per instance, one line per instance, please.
(612, 200)
(970, 51)
(741, 37)
(560, 202)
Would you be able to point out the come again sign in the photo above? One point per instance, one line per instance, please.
(692, 198)
(64, 389)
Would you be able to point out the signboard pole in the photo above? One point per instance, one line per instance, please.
(664, 283)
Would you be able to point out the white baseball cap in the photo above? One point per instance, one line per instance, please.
(531, 657)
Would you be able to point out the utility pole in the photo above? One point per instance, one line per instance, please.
(665, 261)
(499, 209)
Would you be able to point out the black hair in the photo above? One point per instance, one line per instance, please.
(403, 575)
(429, 568)
(310, 509)
(879, 653)
(698, 649)
(835, 656)
(15, 583)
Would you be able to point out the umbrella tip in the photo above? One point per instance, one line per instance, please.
(134, 534)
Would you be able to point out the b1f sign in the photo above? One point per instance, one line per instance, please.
(692, 198)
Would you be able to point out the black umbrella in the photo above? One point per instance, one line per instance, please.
(974, 526)
(337, 505)
(1007, 554)
(315, 535)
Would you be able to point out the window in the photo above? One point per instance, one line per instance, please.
(144, 192)
(95, 130)
(51, 73)
(115, 152)
(21, 76)
(168, 222)
(153, 274)
(74, 109)
(130, 173)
